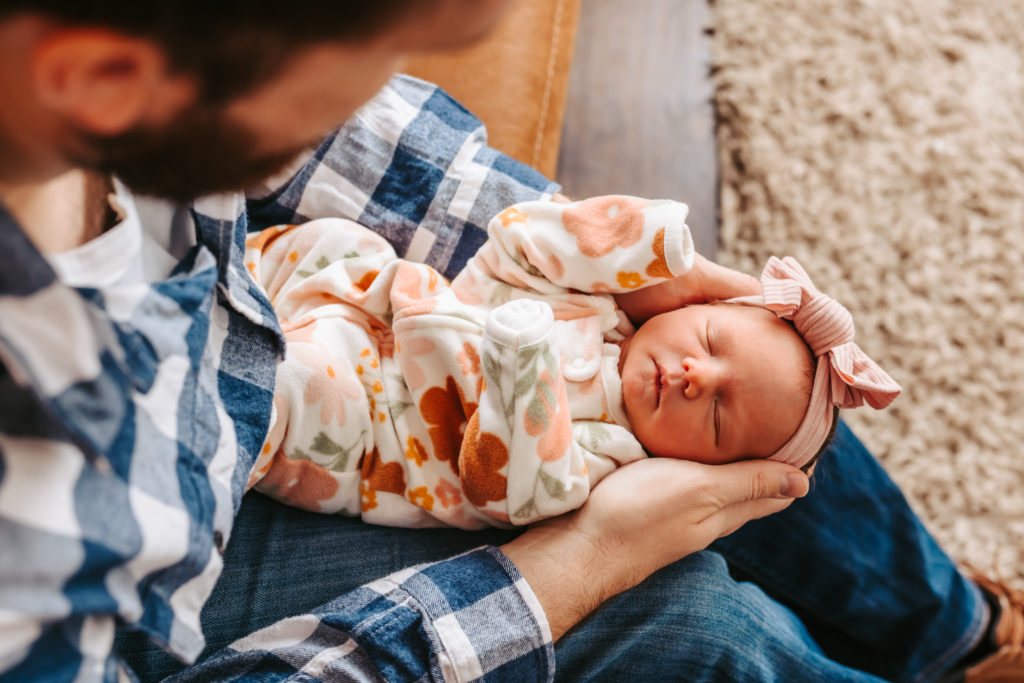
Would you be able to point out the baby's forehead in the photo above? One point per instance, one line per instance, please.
(734, 308)
(726, 312)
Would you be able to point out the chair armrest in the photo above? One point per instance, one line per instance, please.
(516, 79)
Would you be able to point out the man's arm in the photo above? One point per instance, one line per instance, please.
(493, 613)
(471, 617)
(618, 538)
(435, 621)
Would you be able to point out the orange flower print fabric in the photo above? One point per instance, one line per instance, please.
(446, 411)
(299, 483)
(604, 223)
(382, 476)
(630, 280)
(447, 493)
(659, 266)
(415, 402)
(330, 388)
(600, 245)
(379, 476)
(484, 457)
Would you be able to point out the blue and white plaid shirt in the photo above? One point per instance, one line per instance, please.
(130, 417)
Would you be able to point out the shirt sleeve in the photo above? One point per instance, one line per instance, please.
(547, 464)
(412, 165)
(470, 618)
(610, 244)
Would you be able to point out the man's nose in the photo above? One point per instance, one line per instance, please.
(699, 375)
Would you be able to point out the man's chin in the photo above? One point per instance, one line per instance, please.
(198, 155)
(184, 184)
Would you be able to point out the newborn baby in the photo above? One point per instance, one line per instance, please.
(503, 398)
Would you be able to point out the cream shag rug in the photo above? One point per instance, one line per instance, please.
(881, 143)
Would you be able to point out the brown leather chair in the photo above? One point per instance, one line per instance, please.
(516, 79)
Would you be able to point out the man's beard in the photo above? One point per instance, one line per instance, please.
(199, 153)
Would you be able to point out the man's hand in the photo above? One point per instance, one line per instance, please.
(705, 281)
(641, 518)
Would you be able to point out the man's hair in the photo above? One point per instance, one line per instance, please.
(230, 46)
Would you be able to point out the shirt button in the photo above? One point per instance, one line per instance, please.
(579, 369)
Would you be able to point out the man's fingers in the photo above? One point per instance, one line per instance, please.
(757, 488)
(731, 518)
(757, 479)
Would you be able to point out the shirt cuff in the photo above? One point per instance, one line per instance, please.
(486, 619)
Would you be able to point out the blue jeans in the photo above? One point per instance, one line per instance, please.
(845, 585)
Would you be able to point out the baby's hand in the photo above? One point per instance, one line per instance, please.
(708, 281)
(704, 282)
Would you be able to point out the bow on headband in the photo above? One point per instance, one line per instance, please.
(844, 378)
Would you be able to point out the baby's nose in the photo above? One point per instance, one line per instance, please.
(690, 389)
(698, 376)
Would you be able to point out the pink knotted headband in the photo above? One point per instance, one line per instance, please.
(844, 378)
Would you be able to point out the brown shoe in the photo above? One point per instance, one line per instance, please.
(1006, 664)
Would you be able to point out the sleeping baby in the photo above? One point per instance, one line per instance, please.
(503, 397)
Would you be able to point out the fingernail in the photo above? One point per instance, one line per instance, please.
(793, 486)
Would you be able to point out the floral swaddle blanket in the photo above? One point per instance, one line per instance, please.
(491, 401)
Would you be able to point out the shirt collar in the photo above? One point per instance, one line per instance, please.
(25, 270)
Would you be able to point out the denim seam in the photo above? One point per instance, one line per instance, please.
(966, 643)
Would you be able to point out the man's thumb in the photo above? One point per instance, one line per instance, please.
(767, 479)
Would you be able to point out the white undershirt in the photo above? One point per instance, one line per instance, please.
(148, 240)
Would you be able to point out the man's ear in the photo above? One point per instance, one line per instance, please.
(106, 82)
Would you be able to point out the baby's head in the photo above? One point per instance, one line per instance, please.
(716, 383)
(754, 378)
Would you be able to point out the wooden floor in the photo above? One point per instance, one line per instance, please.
(639, 118)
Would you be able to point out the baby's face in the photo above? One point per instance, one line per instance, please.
(714, 383)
